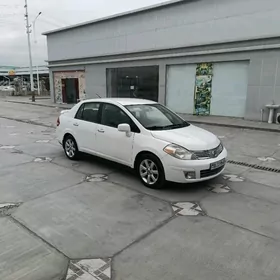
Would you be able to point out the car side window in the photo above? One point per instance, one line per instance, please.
(89, 112)
(113, 116)
(79, 114)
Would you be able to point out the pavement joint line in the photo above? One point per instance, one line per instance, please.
(142, 193)
(238, 226)
(255, 197)
(17, 165)
(53, 192)
(78, 171)
(28, 122)
(20, 224)
(66, 272)
(163, 223)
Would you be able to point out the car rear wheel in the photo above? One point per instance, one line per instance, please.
(70, 147)
(150, 171)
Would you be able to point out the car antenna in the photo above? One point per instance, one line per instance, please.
(98, 95)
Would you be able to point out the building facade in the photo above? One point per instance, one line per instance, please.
(217, 57)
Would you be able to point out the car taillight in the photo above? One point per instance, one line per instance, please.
(58, 122)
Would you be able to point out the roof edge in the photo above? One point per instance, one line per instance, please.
(119, 15)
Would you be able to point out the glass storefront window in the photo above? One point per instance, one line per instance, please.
(133, 82)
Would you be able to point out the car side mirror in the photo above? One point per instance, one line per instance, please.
(124, 127)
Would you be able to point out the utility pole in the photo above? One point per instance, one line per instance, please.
(35, 41)
(28, 31)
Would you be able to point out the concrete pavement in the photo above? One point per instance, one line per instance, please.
(60, 221)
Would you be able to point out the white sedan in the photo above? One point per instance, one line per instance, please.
(143, 135)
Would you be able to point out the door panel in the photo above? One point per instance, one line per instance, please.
(180, 88)
(229, 89)
(85, 134)
(70, 90)
(85, 125)
(111, 143)
(114, 145)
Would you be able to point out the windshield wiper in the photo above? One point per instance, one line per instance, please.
(155, 127)
(174, 126)
(166, 127)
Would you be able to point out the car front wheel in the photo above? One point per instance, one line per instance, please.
(150, 171)
(70, 147)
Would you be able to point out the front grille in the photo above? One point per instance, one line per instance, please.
(209, 172)
(213, 153)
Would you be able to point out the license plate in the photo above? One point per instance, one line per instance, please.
(218, 164)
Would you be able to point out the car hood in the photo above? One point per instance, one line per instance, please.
(192, 138)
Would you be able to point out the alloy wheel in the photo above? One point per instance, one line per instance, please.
(70, 148)
(149, 172)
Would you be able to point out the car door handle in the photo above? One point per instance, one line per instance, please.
(75, 124)
(101, 130)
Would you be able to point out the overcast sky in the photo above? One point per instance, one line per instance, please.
(55, 14)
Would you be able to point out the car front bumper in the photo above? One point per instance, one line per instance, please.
(178, 171)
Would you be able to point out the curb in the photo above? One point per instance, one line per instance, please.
(36, 104)
(28, 122)
(237, 126)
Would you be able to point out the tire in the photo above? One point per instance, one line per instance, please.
(150, 171)
(70, 148)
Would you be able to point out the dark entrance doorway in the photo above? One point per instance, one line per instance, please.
(133, 82)
(70, 90)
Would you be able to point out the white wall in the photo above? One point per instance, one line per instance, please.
(180, 88)
(191, 23)
(229, 89)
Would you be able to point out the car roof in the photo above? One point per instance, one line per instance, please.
(121, 101)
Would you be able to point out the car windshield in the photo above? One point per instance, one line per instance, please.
(156, 117)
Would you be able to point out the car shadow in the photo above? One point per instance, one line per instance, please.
(126, 177)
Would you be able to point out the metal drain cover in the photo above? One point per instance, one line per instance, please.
(97, 178)
(187, 209)
(219, 188)
(42, 159)
(7, 147)
(6, 208)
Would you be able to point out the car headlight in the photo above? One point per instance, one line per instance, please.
(179, 152)
(220, 147)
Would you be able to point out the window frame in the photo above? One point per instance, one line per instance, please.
(134, 129)
(82, 107)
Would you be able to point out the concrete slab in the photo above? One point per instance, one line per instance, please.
(41, 150)
(277, 154)
(254, 150)
(251, 213)
(270, 162)
(8, 159)
(256, 190)
(172, 192)
(199, 248)
(13, 138)
(235, 169)
(87, 164)
(93, 220)
(33, 180)
(24, 257)
(239, 157)
(263, 177)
